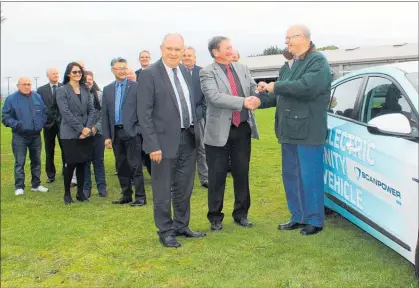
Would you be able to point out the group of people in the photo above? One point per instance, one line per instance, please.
(172, 115)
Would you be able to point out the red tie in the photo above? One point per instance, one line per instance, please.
(236, 114)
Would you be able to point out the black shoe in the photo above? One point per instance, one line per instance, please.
(216, 226)
(103, 194)
(310, 230)
(81, 198)
(243, 222)
(68, 200)
(87, 193)
(50, 180)
(205, 185)
(122, 201)
(290, 225)
(138, 202)
(169, 241)
(188, 233)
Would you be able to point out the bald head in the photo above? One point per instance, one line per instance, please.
(81, 63)
(131, 75)
(24, 84)
(235, 56)
(302, 29)
(53, 75)
(172, 49)
(298, 39)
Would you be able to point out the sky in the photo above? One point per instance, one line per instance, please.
(36, 36)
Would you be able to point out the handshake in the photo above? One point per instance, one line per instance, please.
(264, 87)
(251, 103)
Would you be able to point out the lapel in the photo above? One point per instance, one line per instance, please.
(75, 98)
(48, 95)
(84, 98)
(124, 96)
(222, 76)
(168, 84)
(241, 75)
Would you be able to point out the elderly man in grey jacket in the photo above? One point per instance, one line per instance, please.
(99, 144)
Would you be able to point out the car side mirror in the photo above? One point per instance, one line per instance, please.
(395, 124)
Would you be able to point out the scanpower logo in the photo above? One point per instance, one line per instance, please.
(361, 175)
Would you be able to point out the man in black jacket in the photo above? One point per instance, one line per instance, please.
(52, 126)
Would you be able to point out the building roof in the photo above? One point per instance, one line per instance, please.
(406, 51)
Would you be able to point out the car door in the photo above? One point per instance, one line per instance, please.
(368, 178)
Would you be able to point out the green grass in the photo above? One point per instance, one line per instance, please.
(47, 244)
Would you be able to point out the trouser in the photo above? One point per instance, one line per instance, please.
(172, 181)
(201, 159)
(302, 174)
(20, 145)
(127, 151)
(238, 148)
(50, 134)
(98, 167)
(68, 174)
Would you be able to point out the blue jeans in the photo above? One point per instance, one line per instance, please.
(302, 173)
(98, 167)
(20, 144)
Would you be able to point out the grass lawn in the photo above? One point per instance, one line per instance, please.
(96, 244)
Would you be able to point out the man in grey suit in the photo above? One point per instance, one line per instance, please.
(121, 132)
(167, 117)
(230, 125)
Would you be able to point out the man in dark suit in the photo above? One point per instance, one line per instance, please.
(145, 59)
(189, 60)
(167, 117)
(122, 132)
(51, 128)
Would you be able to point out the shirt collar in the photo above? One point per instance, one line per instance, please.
(168, 69)
(124, 82)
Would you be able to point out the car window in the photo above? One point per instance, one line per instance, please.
(382, 97)
(344, 97)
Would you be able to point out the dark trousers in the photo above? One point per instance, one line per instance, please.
(98, 167)
(68, 175)
(302, 173)
(20, 144)
(237, 148)
(49, 141)
(172, 182)
(127, 152)
(146, 161)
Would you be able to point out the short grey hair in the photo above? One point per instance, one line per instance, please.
(214, 43)
(169, 35)
(190, 47)
(144, 51)
(118, 60)
(304, 29)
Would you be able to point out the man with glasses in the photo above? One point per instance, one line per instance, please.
(25, 112)
(51, 128)
(121, 132)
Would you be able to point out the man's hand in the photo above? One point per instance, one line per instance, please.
(94, 130)
(156, 156)
(85, 132)
(108, 143)
(270, 87)
(251, 102)
(261, 86)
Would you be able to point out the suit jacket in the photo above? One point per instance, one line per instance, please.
(75, 114)
(138, 72)
(50, 102)
(158, 111)
(221, 103)
(128, 110)
(200, 103)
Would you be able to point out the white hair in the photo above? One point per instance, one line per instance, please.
(304, 30)
(171, 34)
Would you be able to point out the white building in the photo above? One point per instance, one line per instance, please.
(341, 61)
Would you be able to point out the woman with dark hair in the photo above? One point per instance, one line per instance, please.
(98, 143)
(77, 112)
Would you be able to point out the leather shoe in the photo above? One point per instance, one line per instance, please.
(290, 225)
(216, 226)
(243, 222)
(169, 241)
(122, 201)
(81, 198)
(188, 233)
(310, 230)
(68, 200)
(50, 180)
(205, 185)
(138, 202)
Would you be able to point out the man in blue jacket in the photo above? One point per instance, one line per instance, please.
(25, 112)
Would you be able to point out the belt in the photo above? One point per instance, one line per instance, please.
(119, 126)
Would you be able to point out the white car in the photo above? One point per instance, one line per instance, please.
(371, 155)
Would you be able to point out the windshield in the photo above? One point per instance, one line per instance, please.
(413, 78)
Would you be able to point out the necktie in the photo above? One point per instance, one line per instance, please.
(119, 98)
(184, 106)
(236, 114)
(54, 87)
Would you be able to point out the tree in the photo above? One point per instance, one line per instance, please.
(330, 47)
(272, 50)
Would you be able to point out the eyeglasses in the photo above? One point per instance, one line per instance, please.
(25, 84)
(292, 36)
(121, 69)
(76, 72)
